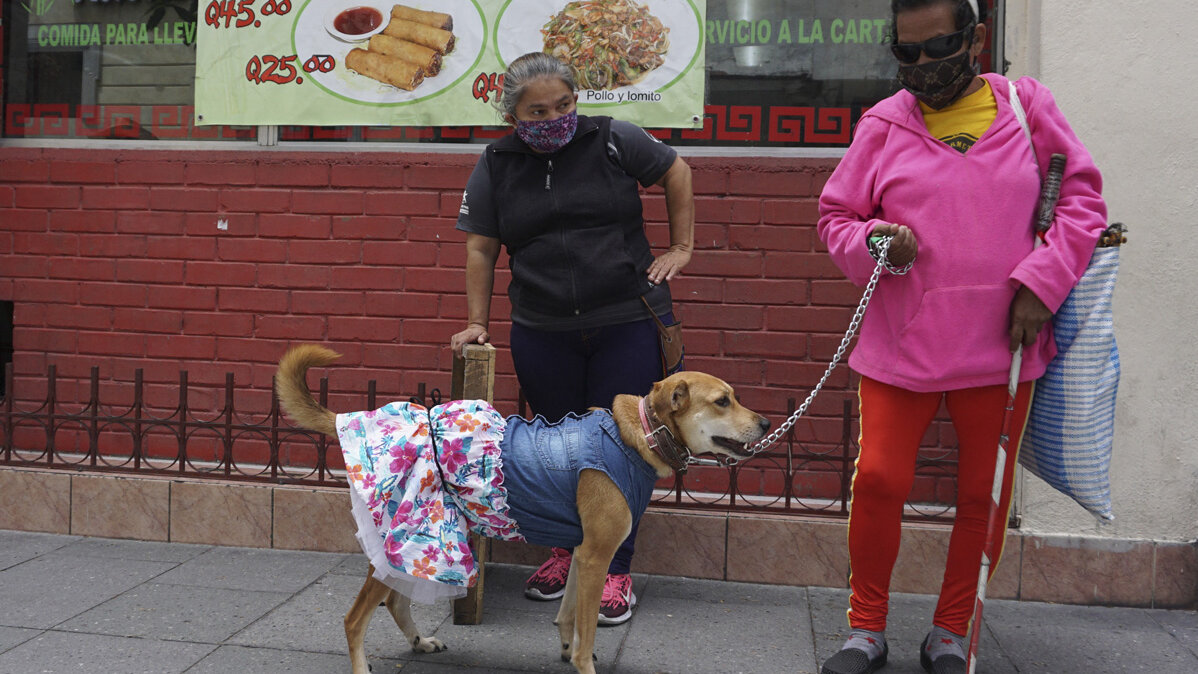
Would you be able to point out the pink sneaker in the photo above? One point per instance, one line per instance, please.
(618, 599)
(549, 581)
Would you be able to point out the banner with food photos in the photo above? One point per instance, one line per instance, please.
(441, 62)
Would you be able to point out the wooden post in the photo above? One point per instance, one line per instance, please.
(474, 379)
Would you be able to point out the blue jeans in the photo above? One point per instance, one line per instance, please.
(573, 370)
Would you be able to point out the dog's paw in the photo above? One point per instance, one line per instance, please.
(428, 645)
(568, 655)
(584, 666)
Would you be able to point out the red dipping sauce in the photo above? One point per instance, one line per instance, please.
(358, 20)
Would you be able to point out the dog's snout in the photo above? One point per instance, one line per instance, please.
(763, 423)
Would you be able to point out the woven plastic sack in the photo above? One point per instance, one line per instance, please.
(1071, 425)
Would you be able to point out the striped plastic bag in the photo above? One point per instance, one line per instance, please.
(1071, 426)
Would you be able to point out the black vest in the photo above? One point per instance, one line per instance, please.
(571, 221)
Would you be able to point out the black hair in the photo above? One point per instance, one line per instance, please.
(963, 13)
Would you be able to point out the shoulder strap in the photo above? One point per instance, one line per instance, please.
(609, 147)
(661, 326)
(1020, 115)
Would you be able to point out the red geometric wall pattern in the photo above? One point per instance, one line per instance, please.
(753, 125)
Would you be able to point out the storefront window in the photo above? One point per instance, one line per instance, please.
(780, 73)
(793, 73)
(122, 69)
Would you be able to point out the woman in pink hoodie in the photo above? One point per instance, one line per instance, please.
(945, 168)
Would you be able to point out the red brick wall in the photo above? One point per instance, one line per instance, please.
(115, 259)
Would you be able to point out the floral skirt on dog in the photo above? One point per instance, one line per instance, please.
(419, 479)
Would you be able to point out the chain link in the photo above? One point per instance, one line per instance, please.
(765, 443)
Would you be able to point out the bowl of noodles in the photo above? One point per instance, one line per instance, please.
(607, 43)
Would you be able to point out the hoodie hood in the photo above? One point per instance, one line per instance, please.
(902, 109)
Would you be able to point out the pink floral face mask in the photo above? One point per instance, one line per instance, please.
(548, 135)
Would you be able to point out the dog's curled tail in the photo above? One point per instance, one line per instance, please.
(290, 385)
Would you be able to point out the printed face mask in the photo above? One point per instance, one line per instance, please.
(548, 135)
(938, 83)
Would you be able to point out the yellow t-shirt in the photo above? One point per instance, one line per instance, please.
(961, 123)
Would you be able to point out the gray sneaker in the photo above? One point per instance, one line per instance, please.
(854, 661)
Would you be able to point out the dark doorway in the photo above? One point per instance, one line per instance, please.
(5, 341)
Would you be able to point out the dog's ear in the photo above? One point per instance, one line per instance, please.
(680, 397)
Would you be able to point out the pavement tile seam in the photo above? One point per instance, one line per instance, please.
(120, 594)
(131, 553)
(811, 623)
(995, 642)
(613, 666)
(117, 635)
(132, 637)
(308, 651)
(66, 541)
(204, 570)
(1174, 631)
(143, 596)
(112, 635)
(84, 606)
(294, 598)
(34, 633)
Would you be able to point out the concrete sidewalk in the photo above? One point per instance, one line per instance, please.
(74, 604)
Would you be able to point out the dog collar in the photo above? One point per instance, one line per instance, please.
(661, 440)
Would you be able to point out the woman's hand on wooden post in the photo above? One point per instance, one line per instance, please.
(475, 333)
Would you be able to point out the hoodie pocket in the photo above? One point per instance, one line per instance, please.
(957, 333)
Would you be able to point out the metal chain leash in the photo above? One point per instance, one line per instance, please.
(882, 248)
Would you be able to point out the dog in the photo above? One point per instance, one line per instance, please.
(688, 412)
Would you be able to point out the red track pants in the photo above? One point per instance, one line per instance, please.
(893, 421)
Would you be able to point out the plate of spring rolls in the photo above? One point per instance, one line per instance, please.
(634, 45)
(424, 47)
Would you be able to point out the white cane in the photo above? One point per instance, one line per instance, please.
(996, 492)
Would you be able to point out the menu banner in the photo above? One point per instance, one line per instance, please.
(441, 62)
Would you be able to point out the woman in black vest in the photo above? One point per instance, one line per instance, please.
(562, 195)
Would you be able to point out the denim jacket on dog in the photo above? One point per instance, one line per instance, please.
(413, 499)
(541, 465)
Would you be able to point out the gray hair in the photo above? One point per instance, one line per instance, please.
(532, 66)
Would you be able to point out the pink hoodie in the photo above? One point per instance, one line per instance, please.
(945, 325)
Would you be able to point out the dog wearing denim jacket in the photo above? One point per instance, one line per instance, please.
(578, 483)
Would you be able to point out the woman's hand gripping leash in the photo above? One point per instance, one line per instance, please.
(897, 263)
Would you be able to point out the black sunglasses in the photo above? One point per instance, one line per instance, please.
(937, 47)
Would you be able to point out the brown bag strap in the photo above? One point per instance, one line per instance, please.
(661, 326)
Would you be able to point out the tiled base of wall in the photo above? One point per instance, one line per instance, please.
(737, 547)
(184, 511)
